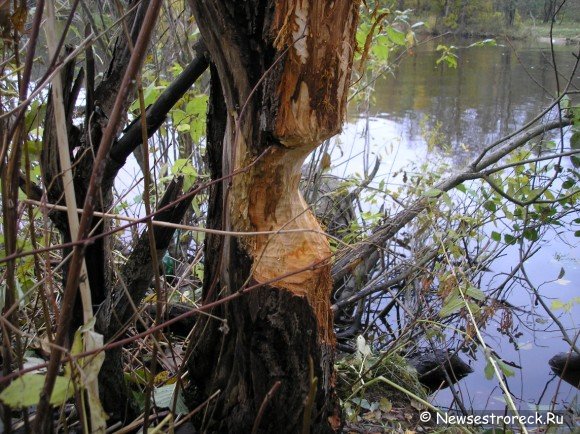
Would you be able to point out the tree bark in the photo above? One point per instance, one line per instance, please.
(279, 85)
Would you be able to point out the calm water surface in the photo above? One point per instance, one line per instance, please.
(493, 91)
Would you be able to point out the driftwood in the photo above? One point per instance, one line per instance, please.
(432, 367)
(335, 207)
(332, 204)
(567, 367)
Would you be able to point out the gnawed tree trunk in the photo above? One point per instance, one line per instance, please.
(279, 84)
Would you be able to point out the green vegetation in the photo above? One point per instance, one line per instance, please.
(563, 30)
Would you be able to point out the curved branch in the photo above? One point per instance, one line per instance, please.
(405, 270)
(157, 112)
(348, 259)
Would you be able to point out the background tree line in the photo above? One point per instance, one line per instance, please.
(468, 16)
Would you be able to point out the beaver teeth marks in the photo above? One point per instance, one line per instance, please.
(301, 32)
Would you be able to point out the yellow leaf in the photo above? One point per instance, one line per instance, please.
(161, 377)
(19, 18)
(25, 391)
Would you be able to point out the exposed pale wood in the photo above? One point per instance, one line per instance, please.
(313, 86)
(316, 39)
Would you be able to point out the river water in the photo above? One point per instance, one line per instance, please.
(493, 91)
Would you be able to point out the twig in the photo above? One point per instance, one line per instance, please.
(201, 309)
(343, 264)
(264, 404)
(43, 417)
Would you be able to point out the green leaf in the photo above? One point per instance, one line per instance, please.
(575, 140)
(380, 49)
(178, 116)
(531, 234)
(447, 199)
(396, 36)
(474, 308)
(509, 239)
(489, 371)
(385, 405)
(362, 403)
(35, 116)
(196, 108)
(490, 206)
(197, 105)
(410, 38)
(151, 93)
(569, 183)
(25, 391)
(461, 187)
(164, 397)
(476, 293)
(34, 147)
(432, 192)
(452, 304)
(496, 236)
(505, 369)
(138, 376)
(76, 348)
(183, 167)
(168, 264)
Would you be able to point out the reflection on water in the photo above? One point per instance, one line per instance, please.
(493, 92)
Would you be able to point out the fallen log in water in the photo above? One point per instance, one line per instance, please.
(432, 367)
(567, 367)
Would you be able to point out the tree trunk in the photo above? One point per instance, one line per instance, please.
(510, 7)
(279, 84)
(549, 11)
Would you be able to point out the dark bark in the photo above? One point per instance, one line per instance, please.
(157, 112)
(115, 314)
